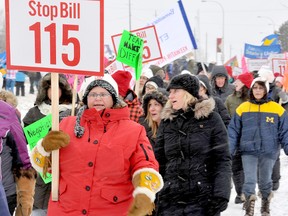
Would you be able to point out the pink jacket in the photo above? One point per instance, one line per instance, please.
(96, 170)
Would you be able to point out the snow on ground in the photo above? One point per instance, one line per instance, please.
(279, 204)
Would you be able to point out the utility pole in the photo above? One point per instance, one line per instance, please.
(129, 15)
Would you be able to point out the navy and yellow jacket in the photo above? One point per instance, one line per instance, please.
(258, 129)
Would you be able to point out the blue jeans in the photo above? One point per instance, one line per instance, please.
(10, 84)
(4, 211)
(264, 166)
(39, 212)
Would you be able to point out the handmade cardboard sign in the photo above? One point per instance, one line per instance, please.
(36, 131)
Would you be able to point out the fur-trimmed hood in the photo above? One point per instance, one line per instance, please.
(9, 98)
(202, 108)
(45, 84)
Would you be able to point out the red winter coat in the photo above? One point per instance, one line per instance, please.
(96, 170)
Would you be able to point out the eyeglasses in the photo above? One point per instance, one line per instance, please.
(261, 88)
(101, 95)
(150, 87)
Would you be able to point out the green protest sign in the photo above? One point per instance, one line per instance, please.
(36, 131)
(130, 51)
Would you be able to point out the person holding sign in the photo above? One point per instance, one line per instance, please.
(41, 109)
(12, 134)
(106, 159)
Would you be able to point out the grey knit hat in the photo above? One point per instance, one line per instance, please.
(108, 83)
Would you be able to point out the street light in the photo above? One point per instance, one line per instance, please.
(223, 24)
(270, 19)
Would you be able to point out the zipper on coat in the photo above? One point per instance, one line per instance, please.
(89, 126)
(145, 153)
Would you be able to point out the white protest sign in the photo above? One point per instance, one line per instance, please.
(114, 66)
(175, 34)
(236, 71)
(151, 48)
(55, 36)
(256, 64)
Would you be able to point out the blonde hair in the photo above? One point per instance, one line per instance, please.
(188, 100)
(152, 124)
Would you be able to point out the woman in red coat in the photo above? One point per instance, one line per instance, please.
(105, 158)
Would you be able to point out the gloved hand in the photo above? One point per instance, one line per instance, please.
(147, 183)
(216, 205)
(141, 206)
(284, 97)
(55, 140)
(25, 188)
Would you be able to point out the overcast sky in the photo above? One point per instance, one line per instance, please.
(241, 22)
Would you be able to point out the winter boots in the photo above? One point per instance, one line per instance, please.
(265, 205)
(249, 204)
(238, 199)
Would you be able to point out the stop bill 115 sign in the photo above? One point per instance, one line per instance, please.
(65, 36)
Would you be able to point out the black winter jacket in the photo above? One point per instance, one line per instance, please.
(193, 154)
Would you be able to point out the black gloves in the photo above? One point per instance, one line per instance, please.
(216, 205)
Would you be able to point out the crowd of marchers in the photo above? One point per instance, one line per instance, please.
(171, 146)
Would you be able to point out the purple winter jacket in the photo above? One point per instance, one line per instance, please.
(9, 122)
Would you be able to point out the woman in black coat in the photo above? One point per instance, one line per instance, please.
(193, 153)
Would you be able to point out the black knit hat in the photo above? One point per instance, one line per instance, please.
(189, 83)
(203, 79)
(160, 95)
(155, 79)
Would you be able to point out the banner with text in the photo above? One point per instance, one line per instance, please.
(175, 34)
(260, 52)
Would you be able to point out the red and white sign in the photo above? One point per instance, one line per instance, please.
(55, 36)
(114, 66)
(151, 48)
(278, 65)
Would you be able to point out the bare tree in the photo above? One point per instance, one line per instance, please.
(283, 35)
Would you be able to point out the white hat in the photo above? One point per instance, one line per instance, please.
(267, 73)
(107, 82)
(261, 79)
(185, 72)
(147, 72)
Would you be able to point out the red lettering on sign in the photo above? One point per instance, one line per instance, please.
(63, 10)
